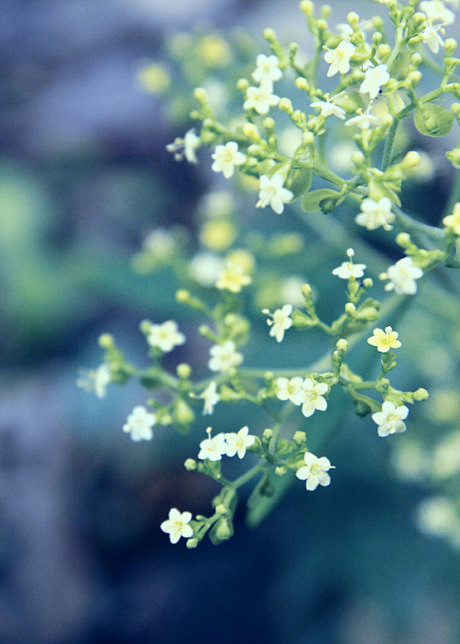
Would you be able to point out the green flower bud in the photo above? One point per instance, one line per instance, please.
(242, 84)
(350, 308)
(300, 438)
(106, 341)
(450, 45)
(421, 394)
(342, 345)
(302, 83)
(268, 434)
(184, 370)
(191, 543)
(182, 295)
(269, 123)
(190, 465)
(183, 413)
(269, 35)
(285, 105)
(281, 470)
(221, 509)
(307, 7)
(200, 95)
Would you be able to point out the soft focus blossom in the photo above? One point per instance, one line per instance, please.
(364, 121)
(374, 79)
(267, 70)
(384, 340)
(287, 389)
(339, 58)
(310, 396)
(185, 147)
(453, 221)
(437, 516)
(375, 213)
(402, 276)
(213, 448)
(390, 419)
(238, 442)
(205, 268)
(327, 108)
(261, 98)
(224, 357)
(432, 38)
(272, 193)
(177, 525)
(436, 11)
(226, 157)
(280, 321)
(315, 471)
(232, 278)
(96, 380)
(165, 336)
(139, 424)
(210, 398)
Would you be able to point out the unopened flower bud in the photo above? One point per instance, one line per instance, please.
(191, 543)
(302, 83)
(281, 470)
(190, 465)
(242, 84)
(421, 394)
(200, 95)
(269, 123)
(350, 308)
(368, 283)
(357, 158)
(416, 59)
(106, 341)
(403, 239)
(307, 7)
(182, 295)
(299, 437)
(221, 509)
(414, 78)
(285, 105)
(353, 19)
(269, 35)
(308, 138)
(183, 370)
(342, 345)
(450, 45)
(411, 160)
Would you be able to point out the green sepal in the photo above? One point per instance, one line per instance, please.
(323, 199)
(433, 120)
(302, 320)
(221, 531)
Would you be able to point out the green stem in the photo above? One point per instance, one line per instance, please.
(413, 226)
(244, 478)
(389, 141)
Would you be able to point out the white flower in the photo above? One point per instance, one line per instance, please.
(280, 321)
(260, 98)
(328, 108)
(290, 290)
(374, 78)
(210, 397)
(375, 213)
(239, 442)
(315, 471)
(185, 147)
(165, 336)
(96, 380)
(267, 70)
(213, 448)
(436, 11)
(272, 193)
(431, 36)
(348, 269)
(390, 419)
(232, 278)
(177, 525)
(287, 389)
(205, 268)
(226, 158)
(224, 357)
(139, 424)
(402, 276)
(310, 396)
(437, 516)
(339, 58)
(364, 121)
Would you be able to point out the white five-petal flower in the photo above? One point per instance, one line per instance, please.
(364, 121)
(287, 389)
(267, 70)
(261, 98)
(374, 79)
(328, 108)
(315, 471)
(431, 35)
(96, 380)
(226, 157)
(280, 321)
(339, 58)
(310, 396)
(139, 424)
(348, 269)
(390, 419)
(165, 336)
(238, 442)
(272, 193)
(213, 448)
(375, 213)
(185, 147)
(210, 398)
(177, 525)
(224, 357)
(402, 276)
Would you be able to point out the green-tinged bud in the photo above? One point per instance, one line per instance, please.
(419, 18)
(307, 7)
(221, 509)
(228, 394)
(387, 120)
(190, 465)
(182, 295)
(415, 40)
(242, 84)
(308, 138)
(368, 283)
(342, 345)
(350, 308)
(391, 86)
(383, 51)
(164, 418)
(306, 291)
(368, 313)
(377, 23)
(269, 123)
(421, 394)
(357, 158)
(184, 370)
(238, 324)
(301, 320)
(268, 434)
(416, 59)
(322, 25)
(281, 470)
(450, 45)
(302, 83)
(269, 35)
(183, 413)
(200, 95)
(353, 19)
(106, 341)
(285, 105)
(224, 530)
(454, 157)
(411, 160)
(191, 543)
(403, 240)
(326, 10)
(300, 438)
(414, 78)
(377, 38)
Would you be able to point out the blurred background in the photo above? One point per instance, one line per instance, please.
(84, 177)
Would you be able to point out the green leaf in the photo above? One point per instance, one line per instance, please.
(299, 180)
(433, 120)
(323, 199)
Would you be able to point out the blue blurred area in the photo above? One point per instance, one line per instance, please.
(83, 176)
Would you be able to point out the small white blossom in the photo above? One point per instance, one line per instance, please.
(267, 70)
(165, 336)
(364, 121)
(310, 396)
(239, 442)
(374, 79)
(96, 380)
(402, 276)
(315, 471)
(226, 157)
(213, 448)
(185, 147)
(224, 357)
(436, 11)
(375, 213)
(205, 268)
(390, 419)
(288, 389)
(339, 58)
(272, 193)
(210, 397)
(327, 108)
(431, 36)
(280, 321)
(177, 525)
(348, 269)
(437, 516)
(260, 98)
(139, 424)
(232, 278)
